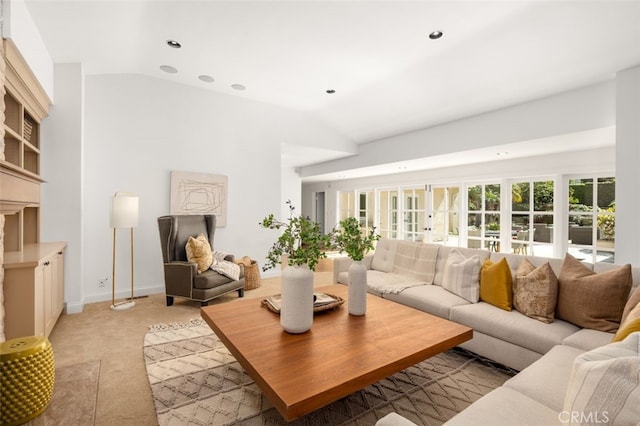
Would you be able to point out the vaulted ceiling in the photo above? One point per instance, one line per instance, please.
(388, 75)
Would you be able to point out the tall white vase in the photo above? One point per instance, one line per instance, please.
(296, 311)
(357, 288)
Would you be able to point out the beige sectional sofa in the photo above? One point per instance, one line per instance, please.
(413, 274)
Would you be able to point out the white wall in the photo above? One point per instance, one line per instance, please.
(61, 168)
(291, 190)
(18, 25)
(628, 159)
(139, 129)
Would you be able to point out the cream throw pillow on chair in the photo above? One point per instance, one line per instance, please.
(199, 252)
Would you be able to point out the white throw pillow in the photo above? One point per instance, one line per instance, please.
(604, 386)
(462, 275)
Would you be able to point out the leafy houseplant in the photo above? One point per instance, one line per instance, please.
(302, 241)
(350, 238)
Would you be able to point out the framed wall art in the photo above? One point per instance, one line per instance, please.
(199, 193)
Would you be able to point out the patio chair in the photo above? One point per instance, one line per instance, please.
(522, 247)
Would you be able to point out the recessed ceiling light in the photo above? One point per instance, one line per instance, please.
(436, 35)
(238, 87)
(206, 78)
(168, 68)
(174, 44)
(331, 91)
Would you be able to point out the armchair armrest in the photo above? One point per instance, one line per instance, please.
(178, 278)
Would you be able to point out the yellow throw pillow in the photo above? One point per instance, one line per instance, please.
(629, 325)
(199, 252)
(495, 284)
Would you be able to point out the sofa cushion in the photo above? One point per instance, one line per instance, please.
(546, 380)
(416, 260)
(495, 284)
(512, 326)
(199, 252)
(384, 255)
(606, 382)
(505, 407)
(432, 299)
(589, 299)
(535, 291)
(588, 339)
(630, 325)
(462, 275)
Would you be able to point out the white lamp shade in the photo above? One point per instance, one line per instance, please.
(124, 211)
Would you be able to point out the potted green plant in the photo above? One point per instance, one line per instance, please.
(304, 244)
(350, 238)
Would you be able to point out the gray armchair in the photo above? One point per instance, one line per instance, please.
(181, 278)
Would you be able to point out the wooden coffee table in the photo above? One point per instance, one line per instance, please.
(341, 354)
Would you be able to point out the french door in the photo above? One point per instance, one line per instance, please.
(443, 215)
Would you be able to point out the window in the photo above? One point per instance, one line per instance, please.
(532, 217)
(483, 221)
(388, 213)
(591, 226)
(366, 204)
(346, 204)
(413, 214)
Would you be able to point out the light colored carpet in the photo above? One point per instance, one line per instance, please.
(196, 381)
(114, 339)
(74, 396)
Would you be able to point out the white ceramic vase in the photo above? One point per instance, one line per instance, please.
(357, 288)
(296, 310)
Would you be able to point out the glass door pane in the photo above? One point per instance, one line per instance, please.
(445, 219)
(388, 213)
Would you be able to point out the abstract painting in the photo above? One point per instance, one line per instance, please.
(199, 193)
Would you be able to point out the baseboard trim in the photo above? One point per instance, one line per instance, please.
(123, 294)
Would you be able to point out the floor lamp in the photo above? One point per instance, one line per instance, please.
(124, 214)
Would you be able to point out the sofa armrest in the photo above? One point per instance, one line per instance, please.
(178, 278)
(394, 419)
(368, 259)
(341, 264)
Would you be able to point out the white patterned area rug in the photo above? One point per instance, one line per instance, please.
(196, 381)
